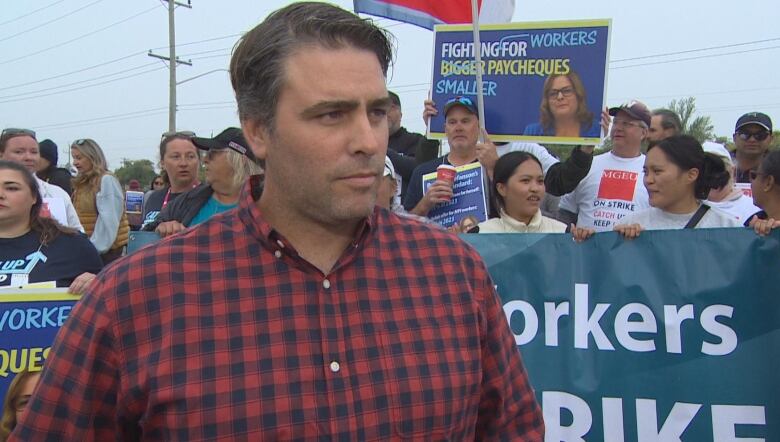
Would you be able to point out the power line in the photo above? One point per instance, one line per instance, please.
(92, 120)
(123, 71)
(205, 52)
(693, 58)
(84, 87)
(198, 42)
(30, 13)
(50, 21)
(77, 38)
(73, 72)
(696, 50)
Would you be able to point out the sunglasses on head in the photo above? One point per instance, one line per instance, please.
(462, 100)
(81, 141)
(178, 133)
(758, 136)
(12, 131)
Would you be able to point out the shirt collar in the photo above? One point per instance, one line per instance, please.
(536, 221)
(252, 217)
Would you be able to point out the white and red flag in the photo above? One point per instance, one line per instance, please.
(427, 13)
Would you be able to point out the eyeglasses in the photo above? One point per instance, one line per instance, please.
(753, 174)
(460, 99)
(758, 136)
(212, 153)
(180, 133)
(566, 92)
(12, 131)
(625, 124)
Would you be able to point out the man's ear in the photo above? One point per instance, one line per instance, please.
(769, 183)
(258, 137)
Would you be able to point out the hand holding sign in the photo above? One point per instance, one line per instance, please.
(487, 153)
(439, 192)
(429, 111)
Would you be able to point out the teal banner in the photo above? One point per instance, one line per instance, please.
(672, 336)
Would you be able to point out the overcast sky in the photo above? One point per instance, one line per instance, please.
(123, 102)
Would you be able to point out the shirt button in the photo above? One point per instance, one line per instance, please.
(335, 366)
(281, 244)
(278, 254)
(326, 284)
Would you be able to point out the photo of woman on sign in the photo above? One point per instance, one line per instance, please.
(564, 110)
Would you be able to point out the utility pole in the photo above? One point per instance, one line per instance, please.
(172, 61)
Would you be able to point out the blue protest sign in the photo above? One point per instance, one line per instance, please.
(468, 199)
(542, 82)
(29, 321)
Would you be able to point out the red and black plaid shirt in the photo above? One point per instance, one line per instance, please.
(224, 332)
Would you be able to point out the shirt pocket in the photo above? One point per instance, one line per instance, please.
(433, 365)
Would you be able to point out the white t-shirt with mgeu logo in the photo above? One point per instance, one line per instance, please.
(612, 189)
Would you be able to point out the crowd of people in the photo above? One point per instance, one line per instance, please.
(253, 228)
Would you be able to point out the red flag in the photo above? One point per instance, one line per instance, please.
(427, 13)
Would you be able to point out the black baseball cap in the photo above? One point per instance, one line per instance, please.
(230, 138)
(758, 118)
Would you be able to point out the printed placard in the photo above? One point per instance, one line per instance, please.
(469, 196)
(517, 61)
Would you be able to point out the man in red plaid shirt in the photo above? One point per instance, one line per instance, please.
(307, 312)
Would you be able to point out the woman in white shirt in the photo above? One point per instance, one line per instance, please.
(678, 175)
(518, 189)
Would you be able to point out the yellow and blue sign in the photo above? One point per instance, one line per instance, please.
(517, 58)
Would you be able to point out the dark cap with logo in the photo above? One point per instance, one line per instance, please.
(466, 102)
(635, 109)
(230, 138)
(758, 118)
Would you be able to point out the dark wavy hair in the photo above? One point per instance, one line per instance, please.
(504, 169)
(770, 165)
(686, 153)
(584, 116)
(257, 68)
(48, 228)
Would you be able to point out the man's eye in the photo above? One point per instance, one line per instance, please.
(380, 112)
(333, 115)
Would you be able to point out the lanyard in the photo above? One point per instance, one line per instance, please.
(168, 194)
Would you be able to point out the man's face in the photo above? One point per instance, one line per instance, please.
(394, 118)
(462, 129)
(23, 150)
(325, 155)
(657, 132)
(627, 133)
(752, 146)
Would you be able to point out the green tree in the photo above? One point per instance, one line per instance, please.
(699, 127)
(141, 170)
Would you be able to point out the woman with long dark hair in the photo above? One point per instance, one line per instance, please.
(40, 249)
(678, 176)
(518, 190)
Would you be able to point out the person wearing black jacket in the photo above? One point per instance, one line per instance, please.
(229, 162)
(48, 170)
